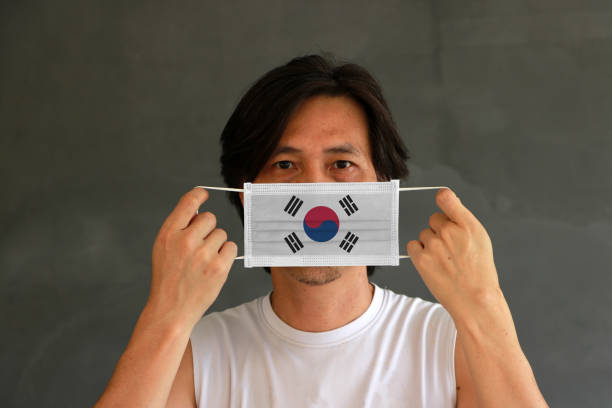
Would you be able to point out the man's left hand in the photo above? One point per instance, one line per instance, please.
(455, 258)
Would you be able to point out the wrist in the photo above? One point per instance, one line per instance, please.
(488, 317)
(174, 324)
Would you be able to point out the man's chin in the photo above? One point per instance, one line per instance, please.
(315, 275)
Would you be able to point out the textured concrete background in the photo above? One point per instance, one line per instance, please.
(109, 112)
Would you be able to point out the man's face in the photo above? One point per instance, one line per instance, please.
(326, 140)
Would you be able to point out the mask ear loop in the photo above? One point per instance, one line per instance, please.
(241, 190)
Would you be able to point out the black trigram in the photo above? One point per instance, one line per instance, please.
(294, 242)
(348, 205)
(293, 206)
(349, 241)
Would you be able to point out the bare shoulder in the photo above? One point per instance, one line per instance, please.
(182, 393)
(466, 392)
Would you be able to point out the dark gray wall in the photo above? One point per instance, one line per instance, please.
(109, 112)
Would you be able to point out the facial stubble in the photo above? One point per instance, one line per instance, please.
(315, 276)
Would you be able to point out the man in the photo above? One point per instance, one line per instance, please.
(325, 336)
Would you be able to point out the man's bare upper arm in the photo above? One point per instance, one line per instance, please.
(182, 393)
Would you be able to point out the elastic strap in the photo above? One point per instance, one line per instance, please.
(420, 188)
(241, 190)
(401, 256)
(221, 188)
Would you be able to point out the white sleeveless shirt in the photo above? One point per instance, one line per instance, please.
(398, 353)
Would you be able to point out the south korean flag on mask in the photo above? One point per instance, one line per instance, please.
(321, 224)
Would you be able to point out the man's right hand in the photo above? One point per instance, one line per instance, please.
(191, 261)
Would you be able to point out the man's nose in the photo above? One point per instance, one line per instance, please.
(314, 173)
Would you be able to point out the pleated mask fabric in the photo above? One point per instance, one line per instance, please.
(321, 224)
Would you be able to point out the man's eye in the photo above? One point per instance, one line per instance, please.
(342, 164)
(283, 164)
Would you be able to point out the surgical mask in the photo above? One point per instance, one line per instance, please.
(321, 224)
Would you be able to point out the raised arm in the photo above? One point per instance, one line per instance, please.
(455, 260)
(191, 261)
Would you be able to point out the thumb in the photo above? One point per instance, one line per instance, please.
(454, 209)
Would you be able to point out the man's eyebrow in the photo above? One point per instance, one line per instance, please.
(285, 149)
(343, 148)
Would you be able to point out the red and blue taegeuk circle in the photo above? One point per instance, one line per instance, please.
(321, 223)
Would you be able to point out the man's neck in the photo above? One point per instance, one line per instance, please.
(317, 308)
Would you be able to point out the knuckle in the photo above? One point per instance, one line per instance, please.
(232, 246)
(413, 252)
(445, 233)
(215, 268)
(199, 191)
(168, 239)
(436, 244)
(412, 245)
(222, 233)
(194, 200)
(205, 256)
(186, 244)
(423, 235)
(212, 218)
(161, 240)
(161, 246)
(190, 198)
(194, 235)
(425, 259)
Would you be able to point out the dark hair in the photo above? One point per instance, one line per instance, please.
(258, 122)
